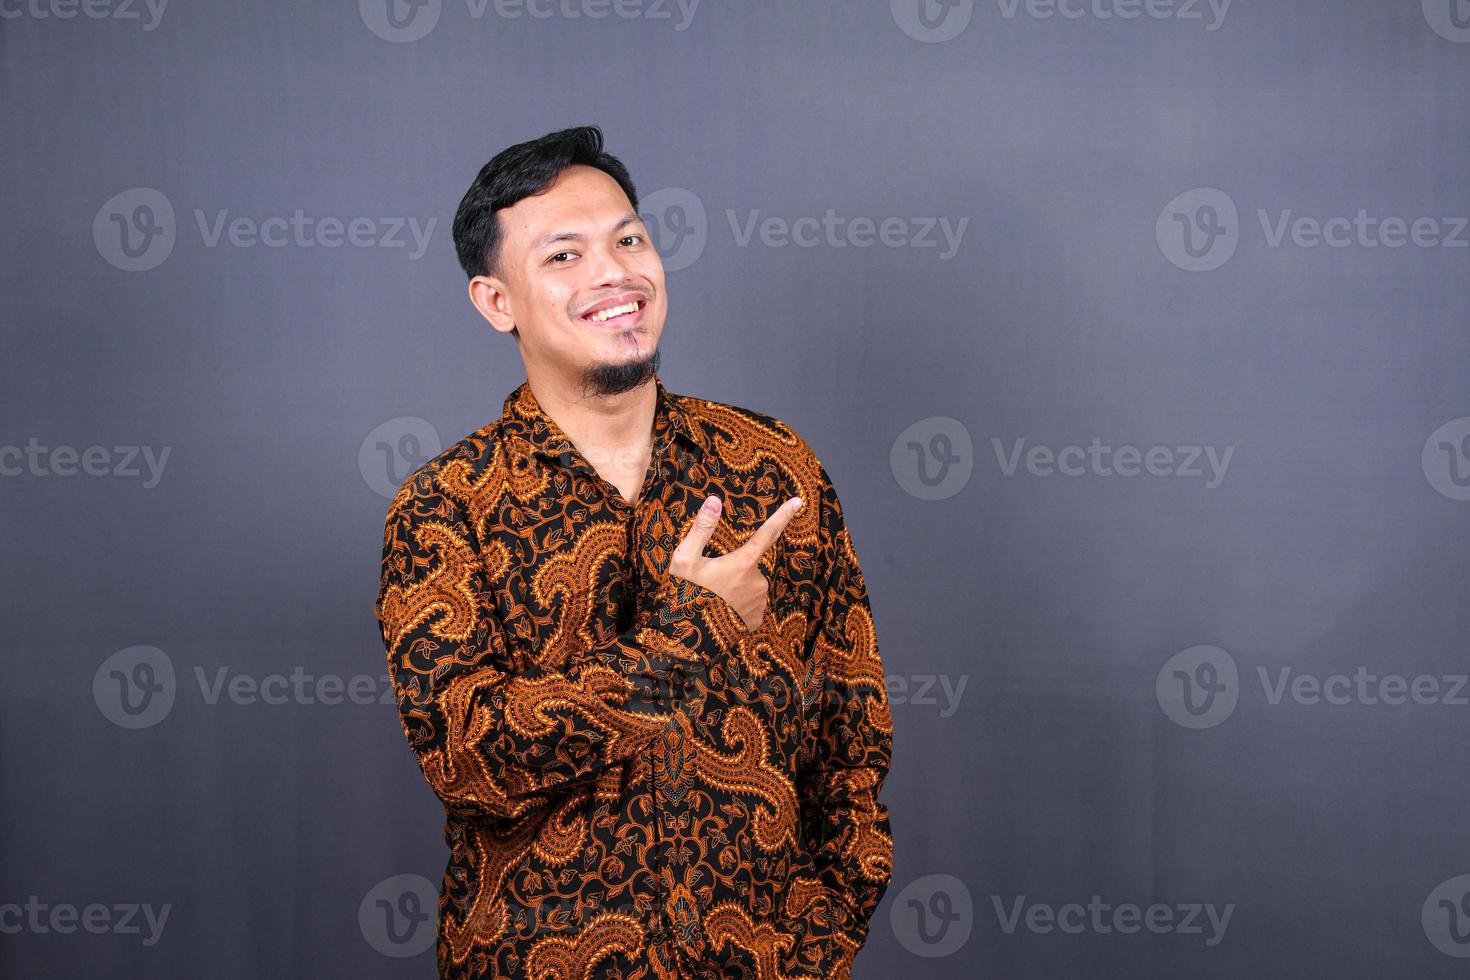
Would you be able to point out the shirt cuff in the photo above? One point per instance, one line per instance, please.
(686, 620)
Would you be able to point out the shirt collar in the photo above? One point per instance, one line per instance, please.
(522, 417)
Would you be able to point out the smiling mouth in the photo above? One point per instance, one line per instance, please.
(615, 316)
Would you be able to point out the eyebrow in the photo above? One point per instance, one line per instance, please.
(572, 236)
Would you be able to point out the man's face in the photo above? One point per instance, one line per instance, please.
(570, 252)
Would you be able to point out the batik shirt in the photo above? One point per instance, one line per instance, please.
(637, 785)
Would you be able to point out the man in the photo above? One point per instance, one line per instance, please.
(628, 633)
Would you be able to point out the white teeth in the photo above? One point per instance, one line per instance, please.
(612, 312)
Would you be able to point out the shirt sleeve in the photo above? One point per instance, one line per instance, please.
(846, 826)
(496, 734)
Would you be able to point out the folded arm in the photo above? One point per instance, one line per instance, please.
(495, 734)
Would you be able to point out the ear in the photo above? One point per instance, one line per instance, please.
(491, 298)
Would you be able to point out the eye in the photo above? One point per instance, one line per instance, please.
(554, 257)
(630, 238)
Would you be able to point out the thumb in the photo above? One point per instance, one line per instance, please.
(705, 521)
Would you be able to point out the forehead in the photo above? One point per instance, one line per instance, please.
(582, 200)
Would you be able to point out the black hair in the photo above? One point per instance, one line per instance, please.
(518, 172)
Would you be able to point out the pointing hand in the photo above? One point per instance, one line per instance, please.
(735, 577)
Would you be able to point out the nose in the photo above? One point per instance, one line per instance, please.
(608, 269)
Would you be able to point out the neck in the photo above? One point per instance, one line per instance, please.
(604, 424)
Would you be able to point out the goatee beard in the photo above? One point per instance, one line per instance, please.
(614, 379)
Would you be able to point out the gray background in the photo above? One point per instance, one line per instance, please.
(1336, 376)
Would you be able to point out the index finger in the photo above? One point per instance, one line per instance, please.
(760, 542)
